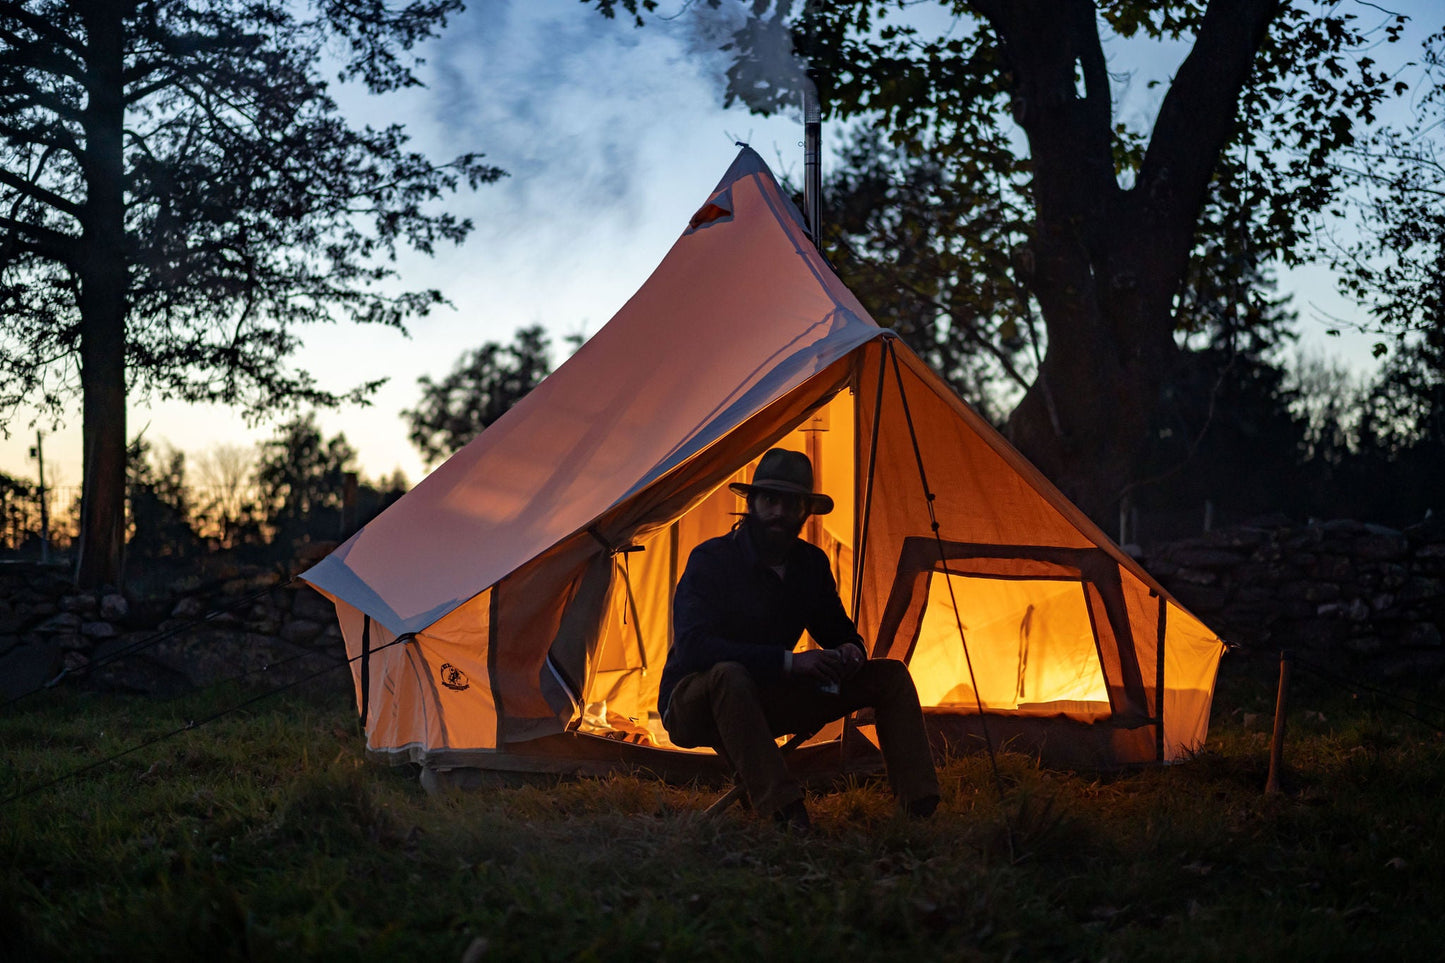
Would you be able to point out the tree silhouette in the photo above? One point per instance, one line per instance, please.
(179, 194)
(301, 477)
(483, 385)
(161, 503)
(227, 504)
(1015, 100)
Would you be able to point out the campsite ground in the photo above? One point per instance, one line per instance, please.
(265, 835)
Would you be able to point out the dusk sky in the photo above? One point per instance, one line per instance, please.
(612, 136)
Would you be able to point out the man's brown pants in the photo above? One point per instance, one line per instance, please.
(726, 709)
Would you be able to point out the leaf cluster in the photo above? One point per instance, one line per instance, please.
(1315, 93)
(301, 476)
(936, 81)
(253, 207)
(934, 257)
(1396, 262)
(483, 385)
(949, 92)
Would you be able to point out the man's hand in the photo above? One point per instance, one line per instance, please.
(822, 665)
(853, 657)
(829, 665)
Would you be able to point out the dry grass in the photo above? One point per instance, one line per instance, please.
(266, 836)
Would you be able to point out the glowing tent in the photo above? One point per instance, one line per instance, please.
(513, 610)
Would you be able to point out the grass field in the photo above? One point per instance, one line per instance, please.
(265, 835)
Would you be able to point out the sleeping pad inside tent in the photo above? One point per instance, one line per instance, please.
(514, 609)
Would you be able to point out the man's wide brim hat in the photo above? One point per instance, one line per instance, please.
(789, 472)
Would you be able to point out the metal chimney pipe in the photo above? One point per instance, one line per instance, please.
(812, 163)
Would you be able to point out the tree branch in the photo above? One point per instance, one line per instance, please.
(36, 97)
(179, 54)
(38, 193)
(1044, 43)
(42, 26)
(1198, 112)
(47, 241)
(208, 109)
(930, 300)
(27, 53)
(136, 95)
(59, 137)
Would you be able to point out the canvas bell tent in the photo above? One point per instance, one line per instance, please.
(513, 610)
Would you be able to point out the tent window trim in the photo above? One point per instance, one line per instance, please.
(920, 558)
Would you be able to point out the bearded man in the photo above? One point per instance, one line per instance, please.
(732, 680)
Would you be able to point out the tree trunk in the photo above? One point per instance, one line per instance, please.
(1107, 262)
(104, 282)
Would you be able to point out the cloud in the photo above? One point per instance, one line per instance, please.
(565, 100)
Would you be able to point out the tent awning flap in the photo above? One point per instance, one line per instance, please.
(750, 306)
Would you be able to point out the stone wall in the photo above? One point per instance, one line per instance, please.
(253, 624)
(1345, 594)
(1351, 595)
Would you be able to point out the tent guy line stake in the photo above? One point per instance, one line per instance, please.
(948, 580)
(1276, 744)
(1391, 699)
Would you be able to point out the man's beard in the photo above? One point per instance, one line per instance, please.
(774, 538)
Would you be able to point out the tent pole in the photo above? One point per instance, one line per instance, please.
(365, 670)
(947, 577)
(812, 162)
(860, 540)
(1159, 677)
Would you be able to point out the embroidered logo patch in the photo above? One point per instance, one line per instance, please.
(454, 678)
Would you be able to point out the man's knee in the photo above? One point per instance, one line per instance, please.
(727, 682)
(699, 699)
(891, 680)
(728, 675)
(891, 672)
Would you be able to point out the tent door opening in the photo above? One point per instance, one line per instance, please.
(620, 695)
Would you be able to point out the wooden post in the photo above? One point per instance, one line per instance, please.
(1276, 746)
(44, 499)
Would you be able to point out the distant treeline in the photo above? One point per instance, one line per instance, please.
(259, 502)
(1242, 432)
(1244, 435)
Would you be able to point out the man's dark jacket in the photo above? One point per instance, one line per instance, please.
(730, 607)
